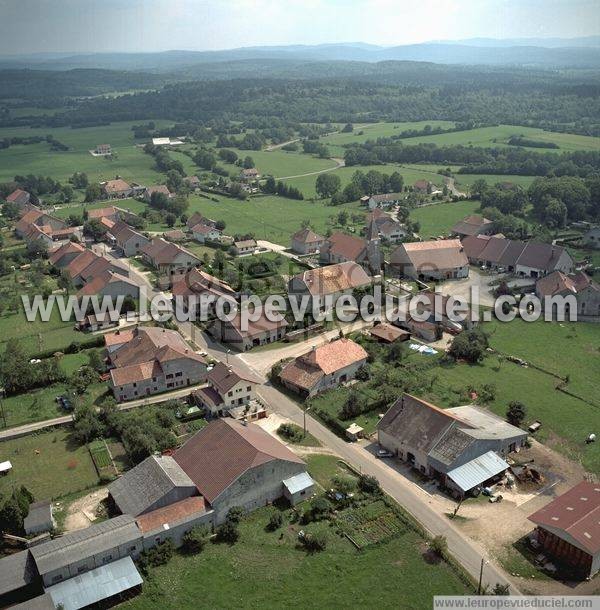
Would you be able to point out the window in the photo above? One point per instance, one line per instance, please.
(230, 393)
(170, 385)
(57, 578)
(170, 376)
(249, 389)
(134, 384)
(107, 559)
(178, 374)
(81, 569)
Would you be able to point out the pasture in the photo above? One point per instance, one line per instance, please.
(439, 218)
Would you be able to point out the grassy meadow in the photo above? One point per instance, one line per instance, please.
(439, 218)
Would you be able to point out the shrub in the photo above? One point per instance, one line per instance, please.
(291, 432)
(228, 532)
(369, 484)
(516, 413)
(320, 508)
(439, 546)
(195, 539)
(315, 541)
(275, 522)
(235, 514)
(470, 345)
(157, 556)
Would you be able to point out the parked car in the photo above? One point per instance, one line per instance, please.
(384, 453)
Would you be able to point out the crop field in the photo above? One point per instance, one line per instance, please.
(50, 464)
(371, 524)
(490, 137)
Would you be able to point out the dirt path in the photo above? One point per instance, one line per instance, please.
(338, 163)
(281, 145)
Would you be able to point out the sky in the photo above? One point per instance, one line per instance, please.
(37, 26)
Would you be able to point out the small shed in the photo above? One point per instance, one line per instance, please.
(39, 519)
(354, 432)
(477, 472)
(298, 488)
(386, 333)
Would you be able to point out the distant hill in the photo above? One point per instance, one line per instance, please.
(536, 52)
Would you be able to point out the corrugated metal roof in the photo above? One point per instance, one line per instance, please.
(96, 585)
(477, 471)
(298, 482)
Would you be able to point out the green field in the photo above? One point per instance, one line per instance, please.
(224, 576)
(130, 162)
(280, 163)
(438, 219)
(490, 137)
(467, 180)
(48, 463)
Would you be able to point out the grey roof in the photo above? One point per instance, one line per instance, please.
(41, 602)
(16, 571)
(486, 425)
(83, 544)
(478, 471)
(140, 488)
(39, 517)
(298, 482)
(451, 446)
(97, 585)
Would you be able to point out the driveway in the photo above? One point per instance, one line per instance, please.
(462, 288)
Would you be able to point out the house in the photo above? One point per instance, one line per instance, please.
(425, 330)
(436, 304)
(324, 367)
(109, 283)
(249, 175)
(153, 360)
(171, 260)
(259, 332)
(39, 518)
(63, 255)
(190, 290)
(197, 218)
(591, 238)
(193, 182)
(100, 321)
(161, 188)
(88, 266)
(127, 240)
(306, 241)
(526, 259)
(341, 248)
(387, 333)
(430, 260)
(227, 388)
(245, 246)
(19, 197)
(237, 464)
(581, 287)
(424, 187)
(38, 225)
(166, 141)
(110, 212)
(472, 225)
(387, 227)
(175, 235)
(116, 189)
(154, 483)
(327, 282)
(381, 201)
(441, 442)
(568, 530)
(114, 341)
(205, 233)
(103, 149)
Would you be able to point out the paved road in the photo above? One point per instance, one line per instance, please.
(406, 493)
(281, 145)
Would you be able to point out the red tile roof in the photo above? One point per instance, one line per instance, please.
(17, 196)
(223, 377)
(172, 514)
(334, 278)
(558, 283)
(216, 456)
(388, 332)
(442, 254)
(576, 513)
(68, 248)
(118, 338)
(345, 246)
(306, 236)
(115, 186)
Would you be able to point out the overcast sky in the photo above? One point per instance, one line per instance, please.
(30, 26)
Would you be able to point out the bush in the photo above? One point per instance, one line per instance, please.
(235, 514)
(470, 345)
(228, 532)
(275, 522)
(320, 508)
(157, 556)
(369, 484)
(439, 546)
(195, 539)
(516, 413)
(315, 541)
(291, 432)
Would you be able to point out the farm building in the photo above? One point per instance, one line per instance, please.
(583, 290)
(257, 332)
(430, 260)
(472, 225)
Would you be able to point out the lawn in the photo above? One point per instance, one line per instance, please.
(130, 162)
(226, 576)
(48, 463)
(323, 468)
(491, 137)
(466, 180)
(438, 219)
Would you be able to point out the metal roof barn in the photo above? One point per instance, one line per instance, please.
(478, 471)
(299, 482)
(97, 585)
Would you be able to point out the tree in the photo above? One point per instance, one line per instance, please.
(248, 162)
(555, 213)
(86, 425)
(95, 229)
(64, 281)
(95, 361)
(235, 514)
(315, 541)
(351, 408)
(195, 540)
(500, 589)
(470, 345)
(15, 368)
(82, 379)
(320, 508)
(327, 185)
(170, 220)
(348, 128)
(344, 485)
(79, 180)
(228, 532)
(275, 522)
(478, 188)
(93, 192)
(516, 413)
(439, 546)
(342, 218)
(396, 182)
(369, 484)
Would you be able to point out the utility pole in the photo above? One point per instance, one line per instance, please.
(2, 394)
(304, 417)
(483, 562)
